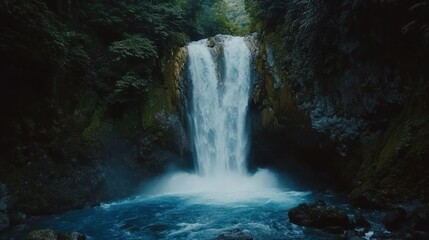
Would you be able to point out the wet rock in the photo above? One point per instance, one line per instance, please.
(17, 218)
(211, 42)
(4, 205)
(360, 221)
(393, 218)
(158, 227)
(44, 234)
(319, 215)
(235, 234)
(353, 235)
(71, 236)
(173, 72)
(268, 118)
(334, 230)
(49, 234)
(252, 43)
(366, 199)
(383, 236)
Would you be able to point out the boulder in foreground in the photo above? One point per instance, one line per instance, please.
(48, 234)
(318, 215)
(235, 234)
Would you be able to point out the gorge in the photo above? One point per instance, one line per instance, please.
(175, 206)
(223, 119)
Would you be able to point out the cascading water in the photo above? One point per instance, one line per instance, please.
(219, 105)
(219, 73)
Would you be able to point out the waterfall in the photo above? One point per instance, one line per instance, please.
(219, 87)
(220, 78)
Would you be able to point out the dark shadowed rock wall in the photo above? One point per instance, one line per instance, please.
(355, 72)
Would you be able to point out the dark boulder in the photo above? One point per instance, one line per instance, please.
(17, 218)
(49, 234)
(158, 227)
(235, 234)
(384, 236)
(319, 215)
(353, 235)
(393, 218)
(420, 219)
(44, 234)
(71, 236)
(334, 230)
(360, 221)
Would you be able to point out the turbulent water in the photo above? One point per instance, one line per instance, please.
(184, 217)
(220, 95)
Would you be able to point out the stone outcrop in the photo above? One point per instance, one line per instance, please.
(45, 234)
(319, 215)
(393, 218)
(367, 95)
(174, 67)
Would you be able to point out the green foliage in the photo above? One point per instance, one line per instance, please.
(179, 39)
(267, 13)
(236, 12)
(137, 33)
(205, 18)
(129, 88)
(134, 46)
(64, 59)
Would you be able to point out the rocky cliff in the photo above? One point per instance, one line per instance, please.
(92, 155)
(355, 72)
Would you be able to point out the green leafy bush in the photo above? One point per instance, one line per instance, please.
(134, 46)
(130, 87)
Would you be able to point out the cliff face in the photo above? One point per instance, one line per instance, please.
(355, 72)
(86, 114)
(91, 154)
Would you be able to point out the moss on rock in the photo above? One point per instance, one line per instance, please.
(319, 215)
(394, 164)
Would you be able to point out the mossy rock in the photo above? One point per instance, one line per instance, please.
(393, 218)
(368, 198)
(45, 234)
(393, 164)
(91, 135)
(158, 101)
(319, 215)
(172, 73)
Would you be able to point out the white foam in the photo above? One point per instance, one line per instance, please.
(368, 235)
(183, 183)
(261, 187)
(186, 228)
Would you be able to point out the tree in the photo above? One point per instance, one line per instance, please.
(134, 46)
